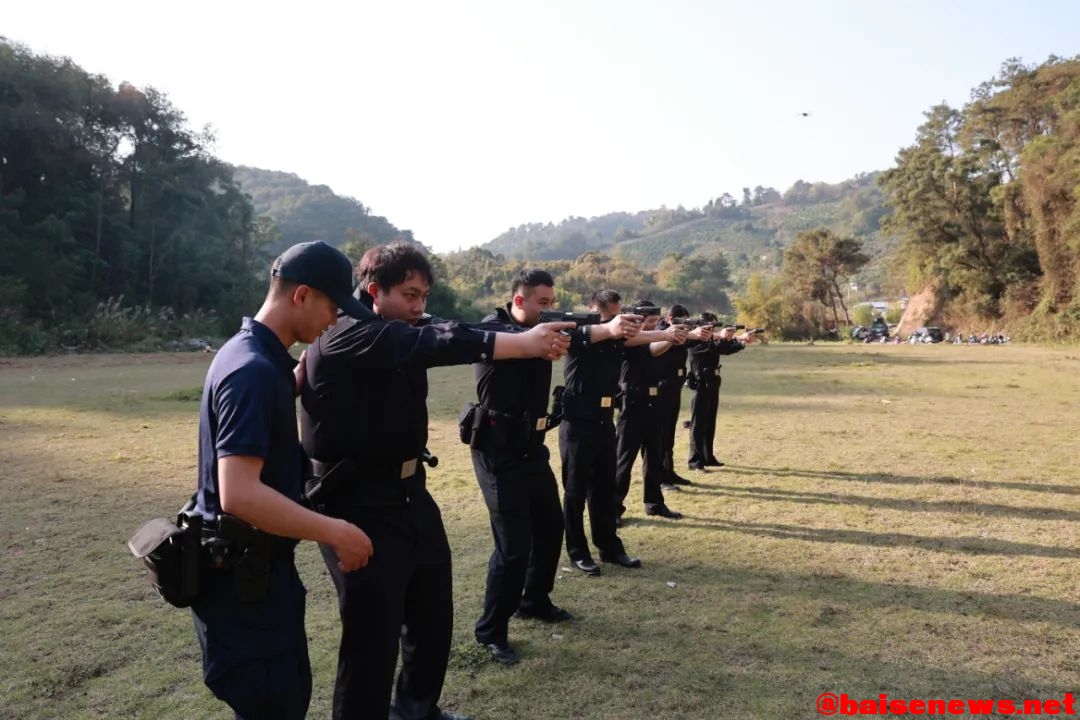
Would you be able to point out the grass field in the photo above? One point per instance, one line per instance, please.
(892, 519)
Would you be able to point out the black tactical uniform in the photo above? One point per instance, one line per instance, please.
(511, 464)
(638, 428)
(671, 374)
(587, 445)
(705, 377)
(365, 401)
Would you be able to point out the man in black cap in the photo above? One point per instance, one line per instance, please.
(254, 648)
(365, 423)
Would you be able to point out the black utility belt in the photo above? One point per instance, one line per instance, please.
(487, 430)
(386, 470)
(517, 421)
(367, 483)
(603, 402)
(180, 555)
(641, 391)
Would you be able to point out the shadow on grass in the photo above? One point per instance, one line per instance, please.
(892, 479)
(946, 506)
(959, 545)
(838, 588)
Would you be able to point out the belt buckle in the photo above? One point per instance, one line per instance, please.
(408, 468)
(605, 401)
(682, 371)
(653, 392)
(541, 424)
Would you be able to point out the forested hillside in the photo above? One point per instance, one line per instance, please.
(305, 212)
(752, 232)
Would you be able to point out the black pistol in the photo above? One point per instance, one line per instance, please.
(642, 310)
(579, 319)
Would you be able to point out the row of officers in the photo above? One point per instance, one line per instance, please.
(364, 421)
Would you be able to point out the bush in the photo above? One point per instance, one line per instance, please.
(139, 328)
(24, 339)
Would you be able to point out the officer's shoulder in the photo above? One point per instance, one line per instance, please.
(243, 365)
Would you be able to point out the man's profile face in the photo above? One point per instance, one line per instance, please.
(608, 311)
(405, 301)
(651, 322)
(531, 301)
(317, 313)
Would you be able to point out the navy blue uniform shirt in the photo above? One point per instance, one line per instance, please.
(249, 408)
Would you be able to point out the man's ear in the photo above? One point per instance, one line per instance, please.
(518, 301)
(372, 288)
(299, 294)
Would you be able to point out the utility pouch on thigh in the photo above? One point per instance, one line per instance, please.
(171, 553)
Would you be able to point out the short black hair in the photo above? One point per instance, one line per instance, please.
(645, 302)
(678, 311)
(390, 265)
(604, 299)
(530, 278)
(709, 317)
(280, 287)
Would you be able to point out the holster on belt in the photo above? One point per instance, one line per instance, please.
(252, 552)
(500, 431)
(326, 481)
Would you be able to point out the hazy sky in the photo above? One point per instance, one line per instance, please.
(459, 119)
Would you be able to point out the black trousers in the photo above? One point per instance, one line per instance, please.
(638, 431)
(255, 656)
(403, 596)
(527, 526)
(703, 407)
(587, 448)
(670, 403)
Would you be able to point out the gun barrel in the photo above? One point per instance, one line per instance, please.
(578, 319)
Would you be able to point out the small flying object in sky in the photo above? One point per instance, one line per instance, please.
(805, 114)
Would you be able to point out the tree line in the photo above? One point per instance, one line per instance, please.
(106, 193)
(118, 222)
(986, 201)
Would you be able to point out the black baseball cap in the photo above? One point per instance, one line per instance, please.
(325, 268)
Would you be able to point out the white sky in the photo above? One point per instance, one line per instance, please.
(462, 118)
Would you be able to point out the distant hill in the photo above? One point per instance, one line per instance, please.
(752, 234)
(305, 212)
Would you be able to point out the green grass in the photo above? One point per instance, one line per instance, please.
(891, 519)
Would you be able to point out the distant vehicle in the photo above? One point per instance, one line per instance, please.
(927, 335)
(877, 331)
